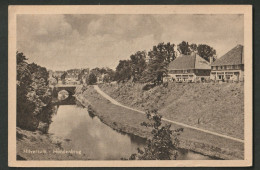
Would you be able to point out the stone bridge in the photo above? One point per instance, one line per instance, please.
(69, 88)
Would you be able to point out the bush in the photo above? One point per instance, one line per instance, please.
(92, 79)
(161, 146)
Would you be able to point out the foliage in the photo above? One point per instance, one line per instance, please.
(91, 79)
(123, 71)
(63, 76)
(193, 47)
(33, 94)
(138, 64)
(106, 78)
(184, 48)
(20, 58)
(110, 74)
(81, 74)
(138, 69)
(99, 70)
(205, 51)
(160, 57)
(105, 74)
(53, 80)
(161, 146)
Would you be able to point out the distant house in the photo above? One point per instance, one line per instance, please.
(72, 74)
(230, 66)
(189, 68)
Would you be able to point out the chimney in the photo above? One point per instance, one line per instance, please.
(193, 53)
(210, 59)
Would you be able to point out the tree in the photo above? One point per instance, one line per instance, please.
(82, 75)
(106, 78)
(138, 64)
(160, 146)
(123, 71)
(92, 79)
(160, 57)
(52, 81)
(63, 76)
(33, 94)
(20, 58)
(205, 51)
(193, 47)
(56, 78)
(184, 48)
(111, 74)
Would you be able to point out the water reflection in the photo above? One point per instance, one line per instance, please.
(88, 134)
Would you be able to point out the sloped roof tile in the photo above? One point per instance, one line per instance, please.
(234, 57)
(192, 61)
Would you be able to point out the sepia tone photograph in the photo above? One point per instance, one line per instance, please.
(128, 84)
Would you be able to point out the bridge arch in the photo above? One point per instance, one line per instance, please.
(69, 88)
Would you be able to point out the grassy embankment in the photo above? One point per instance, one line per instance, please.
(128, 121)
(215, 107)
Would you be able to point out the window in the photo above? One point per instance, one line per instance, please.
(228, 77)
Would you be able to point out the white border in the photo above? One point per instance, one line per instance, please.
(120, 9)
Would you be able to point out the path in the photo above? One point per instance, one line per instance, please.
(113, 101)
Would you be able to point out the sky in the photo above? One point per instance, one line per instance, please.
(62, 42)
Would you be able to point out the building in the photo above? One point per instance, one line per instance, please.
(73, 74)
(189, 68)
(229, 67)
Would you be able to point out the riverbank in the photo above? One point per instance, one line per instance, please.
(38, 146)
(210, 106)
(128, 121)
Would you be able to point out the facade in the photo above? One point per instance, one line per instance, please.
(73, 74)
(229, 67)
(189, 68)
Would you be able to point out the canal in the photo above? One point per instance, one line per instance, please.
(97, 140)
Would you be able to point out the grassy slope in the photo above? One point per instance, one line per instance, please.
(219, 107)
(129, 121)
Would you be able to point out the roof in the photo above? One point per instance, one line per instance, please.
(234, 57)
(193, 61)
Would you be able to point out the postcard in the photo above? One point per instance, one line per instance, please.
(130, 86)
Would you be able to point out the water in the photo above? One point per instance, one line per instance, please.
(94, 138)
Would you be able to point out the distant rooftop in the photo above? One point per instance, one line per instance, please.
(193, 61)
(234, 57)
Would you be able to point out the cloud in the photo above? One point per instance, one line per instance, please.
(124, 26)
(222, 32)
(42, 28)
(78, 41)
